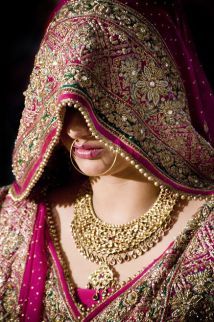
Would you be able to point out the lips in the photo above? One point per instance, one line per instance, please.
(87, 151)
(87, 146)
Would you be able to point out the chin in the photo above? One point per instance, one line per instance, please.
(91, 173)
(89, 168)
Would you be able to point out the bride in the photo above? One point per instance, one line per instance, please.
(109, 217)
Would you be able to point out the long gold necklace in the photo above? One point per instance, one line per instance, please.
(108, 245)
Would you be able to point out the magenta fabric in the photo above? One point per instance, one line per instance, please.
(126, 287)
(85, 295)
(192, 155)
(60, 274)
(33, 284)
(46, 143)
(148, 165)
(199, 92)
(172, 22)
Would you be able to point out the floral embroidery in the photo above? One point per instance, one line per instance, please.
(161, 300)
(95, 49)
(178, 288)
(130, 68)
(152, 84)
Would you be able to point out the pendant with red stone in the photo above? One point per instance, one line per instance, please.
(102, 279)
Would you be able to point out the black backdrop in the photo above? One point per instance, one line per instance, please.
(21, 35)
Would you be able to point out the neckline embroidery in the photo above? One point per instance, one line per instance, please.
(67, 287)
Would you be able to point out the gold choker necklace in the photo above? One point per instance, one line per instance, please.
(108, 245)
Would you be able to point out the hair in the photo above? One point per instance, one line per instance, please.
(58, 172)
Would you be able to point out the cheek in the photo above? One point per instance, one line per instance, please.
(120, 164)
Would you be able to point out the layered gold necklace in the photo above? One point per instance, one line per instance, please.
(108, 245)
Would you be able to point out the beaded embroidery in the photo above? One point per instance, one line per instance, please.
(111, 62)
(16, 222)
(179, 287)
(174, 289)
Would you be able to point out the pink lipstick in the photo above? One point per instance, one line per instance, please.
(87, 151)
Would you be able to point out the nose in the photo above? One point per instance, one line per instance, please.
(74, 124)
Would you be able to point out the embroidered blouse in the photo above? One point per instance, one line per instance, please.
(177, 286)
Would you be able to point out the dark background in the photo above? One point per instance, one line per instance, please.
(21, 35)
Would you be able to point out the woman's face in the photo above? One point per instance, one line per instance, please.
(91, 156)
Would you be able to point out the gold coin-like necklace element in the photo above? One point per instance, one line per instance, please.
(108, 245)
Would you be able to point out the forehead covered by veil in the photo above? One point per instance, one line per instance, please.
(130, 69)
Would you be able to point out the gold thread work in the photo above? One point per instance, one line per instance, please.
(108, 245)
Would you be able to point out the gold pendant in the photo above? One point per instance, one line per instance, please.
(102, 279)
